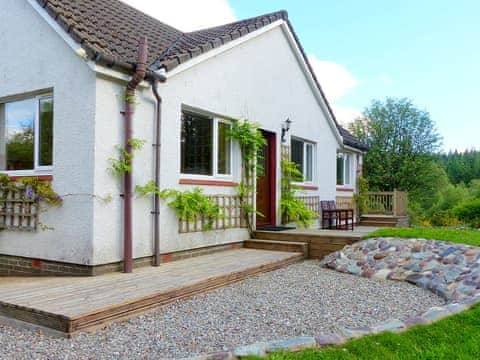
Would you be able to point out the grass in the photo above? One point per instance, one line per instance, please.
(457, 337)
(470, 237)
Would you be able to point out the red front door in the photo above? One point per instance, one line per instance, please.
(266, 182)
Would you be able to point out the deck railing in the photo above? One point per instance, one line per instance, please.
(393, 203)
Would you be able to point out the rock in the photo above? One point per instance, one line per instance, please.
(293, 344)
(257, 349)
(415, 320)
(330, 339)
(382, 274)
(436, 313)
(393, 325)
(355, 332)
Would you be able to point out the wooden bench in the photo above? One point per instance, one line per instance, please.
(333, 218)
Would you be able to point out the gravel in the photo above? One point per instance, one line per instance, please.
(300, 300)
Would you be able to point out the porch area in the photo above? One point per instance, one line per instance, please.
(319, 242)
(69, 305)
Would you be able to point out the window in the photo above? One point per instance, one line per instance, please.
(26, 134)
(206, 148)
(344, 169)
(302, 154)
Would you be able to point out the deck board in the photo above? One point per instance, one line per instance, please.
(69, 304)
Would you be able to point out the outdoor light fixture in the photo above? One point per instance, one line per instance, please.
(286, 128)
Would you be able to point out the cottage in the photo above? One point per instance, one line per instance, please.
(66, 109)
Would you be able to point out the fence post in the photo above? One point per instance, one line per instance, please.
(395, 210)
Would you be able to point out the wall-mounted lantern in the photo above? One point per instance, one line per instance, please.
(285, 128)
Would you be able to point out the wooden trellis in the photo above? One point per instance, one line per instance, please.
(311, 202)
(18, 211)
(233, 216)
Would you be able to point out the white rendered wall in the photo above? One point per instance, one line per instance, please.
(260, 80)
(34, 57)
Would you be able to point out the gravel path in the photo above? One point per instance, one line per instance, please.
(302, 299)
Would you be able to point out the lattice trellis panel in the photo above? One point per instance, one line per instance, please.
(230, 206)
(311, 202)
(18, 211)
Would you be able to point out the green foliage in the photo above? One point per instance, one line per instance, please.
(469, 237)
(461, 167)
(292, 208)
(251, 142)
(469, 212)
(191, 204)
(402, 140)
(148, 189)
(361, 199)
(123, 163)
(34, 188)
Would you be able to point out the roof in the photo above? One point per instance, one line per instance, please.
(350, 140)
(109, 31)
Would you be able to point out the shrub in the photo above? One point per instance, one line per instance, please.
(469, 212)
(444, 218)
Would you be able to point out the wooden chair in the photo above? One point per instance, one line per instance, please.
(333, 218)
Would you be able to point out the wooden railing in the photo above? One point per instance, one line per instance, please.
(393, 203)
(231, 209)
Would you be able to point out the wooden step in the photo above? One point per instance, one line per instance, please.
(320, 243)
(288, 246)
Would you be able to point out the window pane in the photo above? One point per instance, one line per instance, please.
(340, 169)
(196, 145)
(17, 135)
(224, 151)
(309, 162)
(348, 171)
(297, 153)
(45, 141)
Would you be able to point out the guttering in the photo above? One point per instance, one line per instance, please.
(157, 146)
(138, 76)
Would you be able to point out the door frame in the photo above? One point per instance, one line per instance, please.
(271, 139)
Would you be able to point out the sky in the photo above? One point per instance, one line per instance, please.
(425, 50)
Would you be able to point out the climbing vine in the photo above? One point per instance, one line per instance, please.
(188, 205)
(361, 199)
(251, 142)
(123, 163)
(291, 207)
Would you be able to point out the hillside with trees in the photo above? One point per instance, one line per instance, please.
(404, 154)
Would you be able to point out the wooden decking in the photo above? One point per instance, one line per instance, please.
(73, 304)
(320, 242)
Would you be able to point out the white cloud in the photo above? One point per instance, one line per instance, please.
(345, 115)
(187, 15)
(336, 81)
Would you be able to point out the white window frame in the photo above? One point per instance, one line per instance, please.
(307, 143)
(37, 169)
(215, 174)
(345, 170)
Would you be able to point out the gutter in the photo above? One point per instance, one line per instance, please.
(138, 76)
(157, 146)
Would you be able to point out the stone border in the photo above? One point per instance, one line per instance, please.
(331, 339)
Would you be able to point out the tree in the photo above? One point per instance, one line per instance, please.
(402, 140)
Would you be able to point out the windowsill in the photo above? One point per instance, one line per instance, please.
(207, 182)
(306, 186)
(345, 188)
(43, 177)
